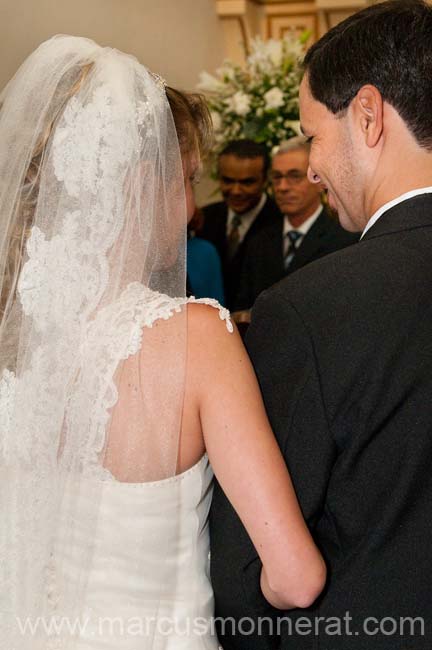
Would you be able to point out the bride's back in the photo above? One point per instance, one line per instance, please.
(150, 562)
(158, 392)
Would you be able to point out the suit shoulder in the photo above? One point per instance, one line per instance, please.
(268, 215)
(339, 271)
(266, 235)
(216, 208)
(368, 267)
(270, 207)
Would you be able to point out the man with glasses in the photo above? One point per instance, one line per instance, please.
(305, 231)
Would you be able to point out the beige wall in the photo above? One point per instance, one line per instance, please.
(176, 38)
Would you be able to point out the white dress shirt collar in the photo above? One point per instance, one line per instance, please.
(247, 218)
(305, 226)
(404, 197)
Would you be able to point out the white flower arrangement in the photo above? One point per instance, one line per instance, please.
(259, 101)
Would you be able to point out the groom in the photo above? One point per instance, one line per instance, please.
(343, 352)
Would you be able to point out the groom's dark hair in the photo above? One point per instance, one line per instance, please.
(389, 46)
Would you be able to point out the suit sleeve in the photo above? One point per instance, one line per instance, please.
(283, 355)
(244, 297)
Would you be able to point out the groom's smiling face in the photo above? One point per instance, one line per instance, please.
(332, 160)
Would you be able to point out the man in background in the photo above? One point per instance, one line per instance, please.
(304, 231)
(245, 210)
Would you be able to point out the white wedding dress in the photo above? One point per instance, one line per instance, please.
(165, 523)
(119, 604)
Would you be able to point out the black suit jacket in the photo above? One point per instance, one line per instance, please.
(214, 230)
(343, 353)
(263, 259)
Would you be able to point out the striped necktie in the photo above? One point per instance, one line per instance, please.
(234, 235)
(293, 236)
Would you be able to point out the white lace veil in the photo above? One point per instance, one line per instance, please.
(92, 224)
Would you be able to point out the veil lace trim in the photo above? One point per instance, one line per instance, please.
(65, 277)
(114, 335)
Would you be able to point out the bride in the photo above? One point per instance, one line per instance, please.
(119, 397)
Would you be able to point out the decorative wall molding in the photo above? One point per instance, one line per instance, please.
(244, 19)
(291, 16)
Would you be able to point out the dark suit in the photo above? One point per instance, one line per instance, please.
(215, 231)
(343, 353)
(263, 257)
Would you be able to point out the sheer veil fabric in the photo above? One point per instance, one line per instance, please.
(92, 242)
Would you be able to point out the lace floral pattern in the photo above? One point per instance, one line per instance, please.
(115, 335)
(7, 401)
(65, 277)
(105, 121)
(60, 278)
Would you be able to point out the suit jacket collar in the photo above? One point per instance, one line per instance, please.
(224, 210)
(313, 239)
(304, 228)
(252, 213)
(263, 219)
(412, 213)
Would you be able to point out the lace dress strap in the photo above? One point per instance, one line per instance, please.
(224, 313)
(148, 306)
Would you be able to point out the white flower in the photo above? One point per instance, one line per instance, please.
(209, 83)
(226, 71)
(294, 125)
(294, 46)
(217, 120)
(274, 52)
(274, 98)
(241, 97)
(266, 55)
(239, 103)
(258, 56)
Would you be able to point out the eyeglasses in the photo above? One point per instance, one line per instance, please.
(293, 177)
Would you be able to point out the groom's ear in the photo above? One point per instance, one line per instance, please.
(368, 110)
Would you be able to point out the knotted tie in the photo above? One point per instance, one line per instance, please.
(234, 235)
(293, 237)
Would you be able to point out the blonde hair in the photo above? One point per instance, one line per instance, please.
(192, 121)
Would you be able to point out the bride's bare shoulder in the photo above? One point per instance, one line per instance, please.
(215, 347)
(207, 326)
(210, 328)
